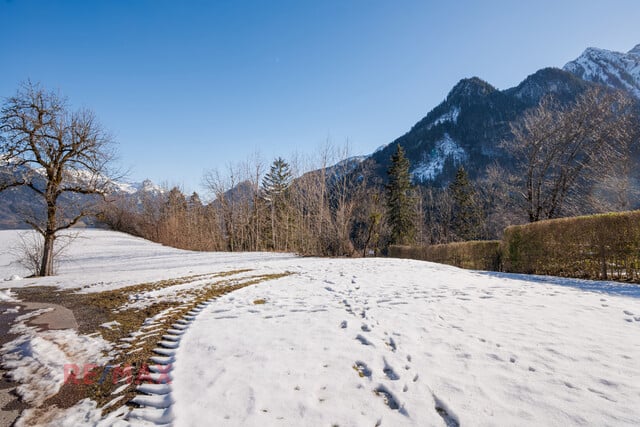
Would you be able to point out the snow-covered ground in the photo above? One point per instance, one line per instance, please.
(368, 342)
(99, 260)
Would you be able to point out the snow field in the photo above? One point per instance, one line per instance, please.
(395, 342)
(346, 342)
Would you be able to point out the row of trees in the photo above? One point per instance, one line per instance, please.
(567, 159)
(343, 210)
(329, 211)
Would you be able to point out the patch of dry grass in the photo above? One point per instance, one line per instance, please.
(93, 309)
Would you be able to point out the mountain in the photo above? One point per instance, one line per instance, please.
(468, 126)
(614, 69)
(19, 202)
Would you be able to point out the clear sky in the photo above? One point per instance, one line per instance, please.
(187, 86)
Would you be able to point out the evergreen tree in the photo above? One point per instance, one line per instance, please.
(194, 201)
(276, 182)
(467, 216)
(401, 209)
(274, 191)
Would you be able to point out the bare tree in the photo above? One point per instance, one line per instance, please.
(496, 189)
(562, 150)
(54, 152)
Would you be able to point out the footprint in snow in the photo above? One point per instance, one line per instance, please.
(391, 344)
(389, 371)
(343, 324)
(449, 418)
(362, 369)
(363, 340)
(389, 399)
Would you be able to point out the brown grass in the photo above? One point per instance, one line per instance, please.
(93, 309)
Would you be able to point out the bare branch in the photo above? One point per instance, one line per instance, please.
(71, 150)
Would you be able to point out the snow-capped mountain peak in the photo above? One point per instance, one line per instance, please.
(146, 186)
(635, 50)
(614, 69)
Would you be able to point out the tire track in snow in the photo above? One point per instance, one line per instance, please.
(154, 397)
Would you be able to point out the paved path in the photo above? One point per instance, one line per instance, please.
(59, 318)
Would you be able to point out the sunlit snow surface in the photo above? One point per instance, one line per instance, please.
(615, 69)
(354, 342)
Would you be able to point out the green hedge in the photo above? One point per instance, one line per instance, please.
(475, 255)
(593, 247)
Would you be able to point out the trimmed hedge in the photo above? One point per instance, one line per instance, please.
(475, 255)
(604, 247)
(592, 247)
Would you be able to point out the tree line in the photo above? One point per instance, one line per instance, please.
(563, 159)
(329, 211)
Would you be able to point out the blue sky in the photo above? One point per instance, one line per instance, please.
(187, 86)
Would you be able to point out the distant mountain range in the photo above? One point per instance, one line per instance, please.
(464, 129)
(615, 69)
(468, 126)
(21, 202)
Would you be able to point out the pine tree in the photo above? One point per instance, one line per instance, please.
(467, 214)
(274, 190)
(276, 182)
(401, 201)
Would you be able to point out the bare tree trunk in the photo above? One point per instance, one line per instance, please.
(46, 267)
